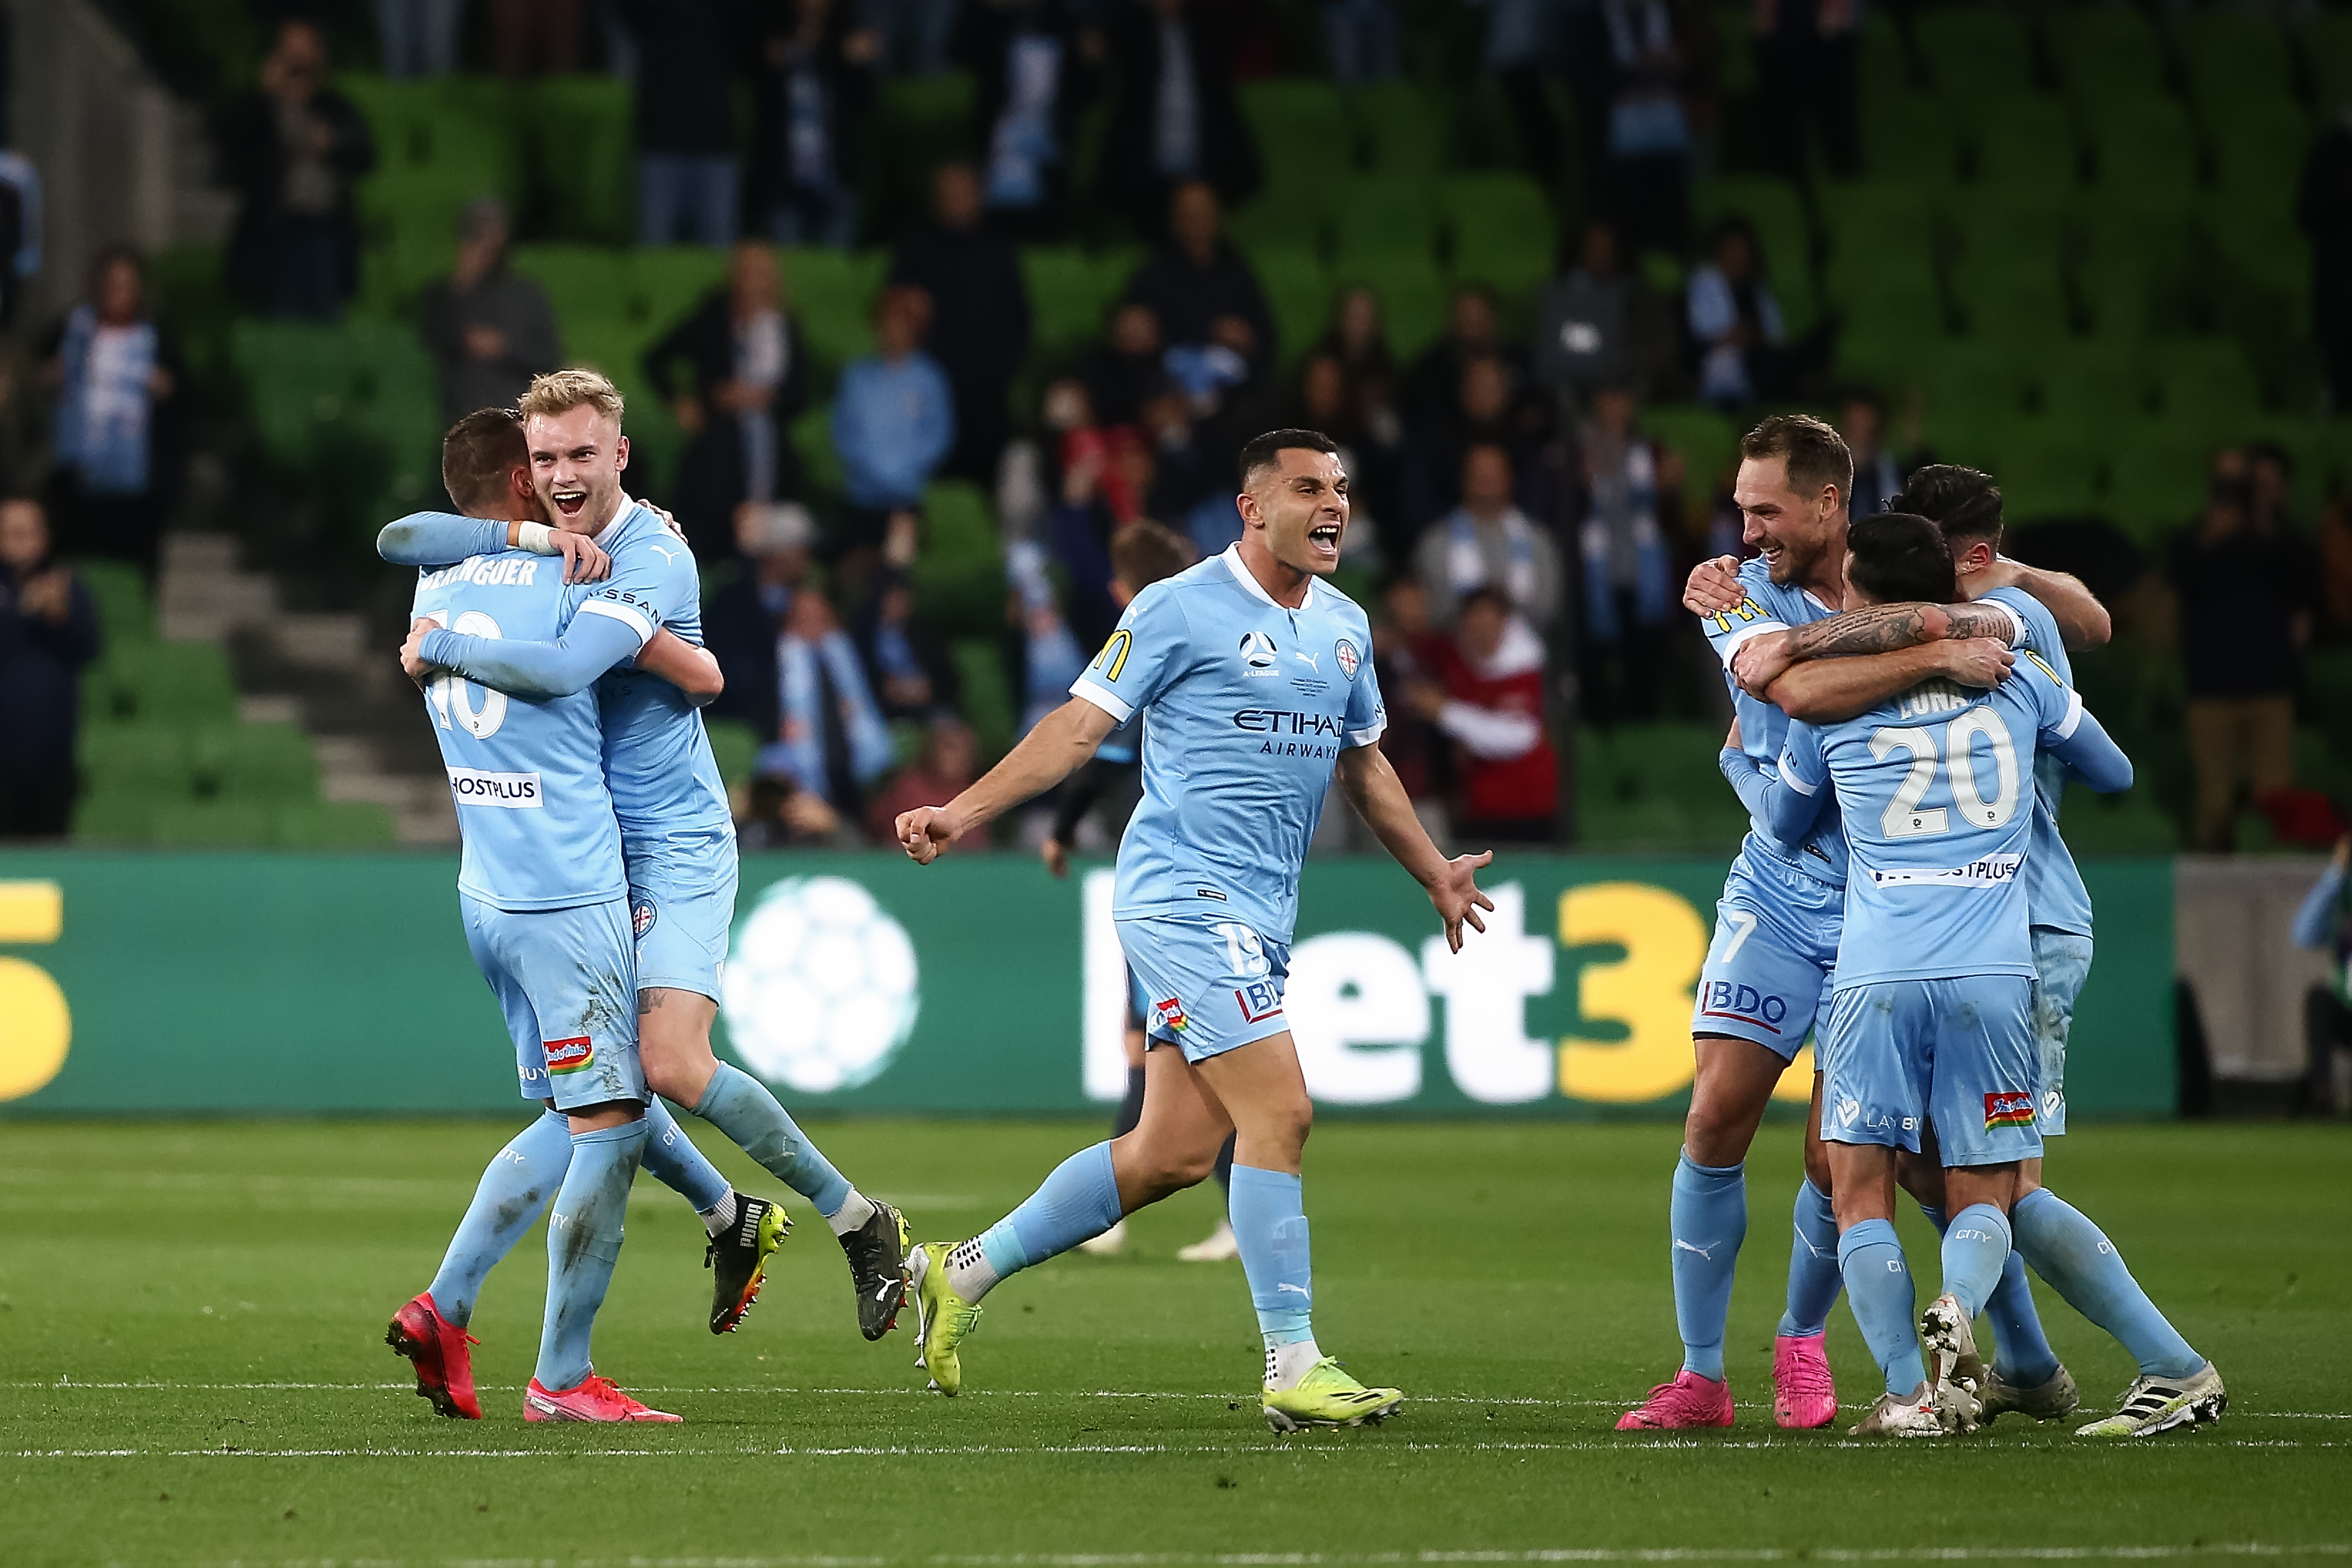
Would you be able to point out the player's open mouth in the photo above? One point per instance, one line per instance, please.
(1324, 538)
(569, 502)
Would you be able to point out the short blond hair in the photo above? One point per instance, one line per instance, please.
(561, 391)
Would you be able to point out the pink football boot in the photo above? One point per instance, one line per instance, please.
(1803, 1396)
(1689, 1400)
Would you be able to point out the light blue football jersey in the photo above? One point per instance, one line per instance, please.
(2053, 886)
(656, 753)
(1774, 607)
(528, 775)
(1939, 815)
(1250, 706)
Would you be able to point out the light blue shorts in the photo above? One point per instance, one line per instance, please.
(566, 980)
(2062, 962)
(681, 906)
(1209, 986)
(1767, 967)
(1899, 1054)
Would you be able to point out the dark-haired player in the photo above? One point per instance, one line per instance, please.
(1256, 680)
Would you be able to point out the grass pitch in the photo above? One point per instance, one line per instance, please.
(191, 1318)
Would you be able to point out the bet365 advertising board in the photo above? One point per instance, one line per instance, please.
(219, 983)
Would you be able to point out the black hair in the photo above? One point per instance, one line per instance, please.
(1265, 451)
(478, 454)
(1897, 557)
(1964, 502)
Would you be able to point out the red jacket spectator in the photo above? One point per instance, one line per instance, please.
(1493, 710)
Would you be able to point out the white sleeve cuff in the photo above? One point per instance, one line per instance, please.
(2018, 633)
(1368, 736)
(1788, 777)
(1103, 697)
(1739, 639)
(644, 628)
(2074, 720)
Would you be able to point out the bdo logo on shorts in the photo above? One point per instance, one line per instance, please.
(1259, 1001)
(2008, 1108)
(569, 1055)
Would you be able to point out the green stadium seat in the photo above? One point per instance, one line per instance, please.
(331, 824)
(1502, 229)
(1975, 53)
(1303, 138)
(1647, 786)
(2258, 150)
(1412, 301)
(666, 282)
(2049, 469)
(254, 761)
(109, 816)
(832, 292)
(2016, 299)
(212, 823)
(1403, 125)
(1705, 438)
(813, 439)
(2131, 823)
(2099, 385)
(1974, 396)
(2328, 46)
(1298, 292)
(959, 576)
(2233, 59)
(2159, 483)
(120, 591)
(2103, 51)
(579, 131)
(2143, 146)
(1069, 295)
(148, 759)
(583, 282)
(176, 684)
(733, 743)
(2205, 381)
(1381, 216)
(2025, 142)
(1774, 210)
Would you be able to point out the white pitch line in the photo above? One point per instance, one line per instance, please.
(1194, 1450)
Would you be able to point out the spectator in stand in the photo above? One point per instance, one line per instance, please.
(1099, 497)
(1201, 288)
(1412, 655)
(1522, 49)
(1358, 336)
(779, 815)
(979, 321)
(117, 374)
(489, 328)
(830, 738)
(893, 420)
(1127, 370)
(418, 37)
(1360, 40)
(812, 102)
(1491, 407)
(746, 382)
(1735, 322)
(293, 149)
(1646, 172)
(1878, 473)
(2253, 587)
(2322, 210)
(1323, 403)
(1051, 655)
(943, 770)
(48, 631)
(1039, 65)
(1490, 705)
(2269, 485)
(2324, 923)
(1434, 385)
(1806, 54)
(1598, 324)
(1488, 542)
(686, 167)
(744, 610)
(531, 37)
(907, 661)
(1174, 119)
(912, 36)
(1628, 598)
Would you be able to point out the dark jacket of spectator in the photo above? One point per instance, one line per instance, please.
(809, 149)
(907, 660)
(293, 149)
(979, 317)
(2323, 209)
(48, 631)
(688, 52)
(1169, 54)
(1038, 71)
(1190, 292)
(489, 330)
(2249, 592)
(744, 452)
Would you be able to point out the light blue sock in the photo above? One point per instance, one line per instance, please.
(740, 1105)
(1076, 1203)
(583, 1242)
(1708, 1219)
(1813, 1278)
(1878, 1287)
(515, 1190)
(672, 1160)
(1975, 1245)
(2023, 1354)
(2083, 1267)
(1269, 1211)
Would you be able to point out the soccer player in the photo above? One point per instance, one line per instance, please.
(1256, 681)
(1931, 1015)
(1142, 554)
(546, 911)
(1767, 973)
(2176, 1385)
(675, 830)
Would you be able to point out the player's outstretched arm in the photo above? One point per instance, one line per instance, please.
(591, 646)
(691, 670)
(436, 538)
(2083, 620)
(2082, 742)
(1378, 795)
(1826, 691)
(1049, 754)
(1762, 660)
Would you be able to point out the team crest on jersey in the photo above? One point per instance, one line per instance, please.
(1170, 1014)
(643, 914)
(2008, 1108)
(569, 1055)
(1347, 658)
(1258, 652)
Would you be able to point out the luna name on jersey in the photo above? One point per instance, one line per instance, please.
(484, 571)
(1282, 721)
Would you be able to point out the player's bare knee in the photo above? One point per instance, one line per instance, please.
(1817, 1168)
